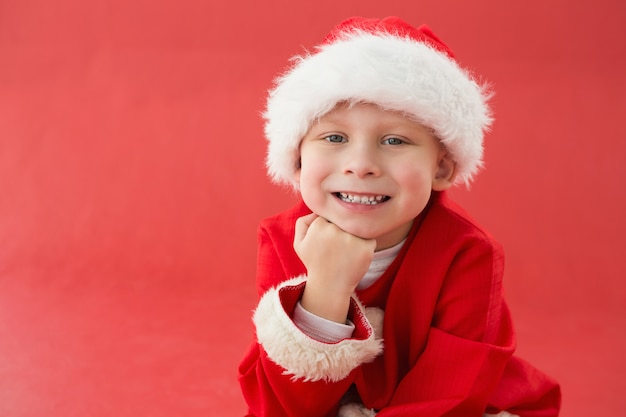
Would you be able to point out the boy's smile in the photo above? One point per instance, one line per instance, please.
(371, 171)
(361, 199)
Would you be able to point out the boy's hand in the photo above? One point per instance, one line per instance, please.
(335, 261)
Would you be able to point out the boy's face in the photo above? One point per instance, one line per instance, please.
(371, 172)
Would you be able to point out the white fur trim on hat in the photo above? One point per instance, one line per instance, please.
(302, 356)
(395, 72)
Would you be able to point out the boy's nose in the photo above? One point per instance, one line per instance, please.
(362, 161)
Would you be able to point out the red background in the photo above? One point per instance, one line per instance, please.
(132, 181)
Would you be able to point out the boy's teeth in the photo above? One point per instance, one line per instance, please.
(361, 199)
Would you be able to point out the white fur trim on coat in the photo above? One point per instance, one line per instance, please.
(359, 410)
(394, 72)
(355, 410)
(302, 356)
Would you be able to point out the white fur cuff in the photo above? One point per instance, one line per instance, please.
(300, 355)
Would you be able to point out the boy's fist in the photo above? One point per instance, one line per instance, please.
(335, 261)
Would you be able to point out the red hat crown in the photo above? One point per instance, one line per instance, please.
(392, 25)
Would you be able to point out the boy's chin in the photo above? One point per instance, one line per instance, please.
(358, 231)
(355, 228)
(384, 238)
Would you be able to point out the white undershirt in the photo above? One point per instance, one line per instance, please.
(329, 331)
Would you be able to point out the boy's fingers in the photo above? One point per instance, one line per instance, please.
(302, 226)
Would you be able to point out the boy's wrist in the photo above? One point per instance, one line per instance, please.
(330, 304)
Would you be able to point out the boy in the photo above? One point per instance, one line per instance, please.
(378, 295)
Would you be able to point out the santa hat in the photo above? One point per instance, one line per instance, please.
(385, 62)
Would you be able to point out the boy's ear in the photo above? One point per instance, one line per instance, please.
(446, 172)
(296, 174)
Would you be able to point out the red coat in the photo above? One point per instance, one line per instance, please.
(443, 346)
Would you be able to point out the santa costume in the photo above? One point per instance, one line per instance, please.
(432, 335)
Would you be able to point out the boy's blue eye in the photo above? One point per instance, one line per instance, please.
(335, 138)
(393, 141)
